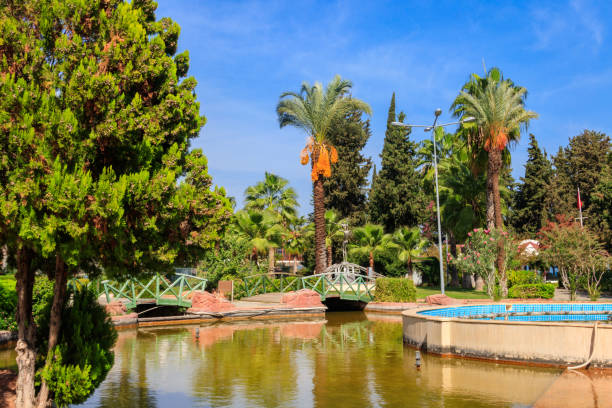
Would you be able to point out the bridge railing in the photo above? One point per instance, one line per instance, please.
(158, 288)
(350, 286)
(265, 283)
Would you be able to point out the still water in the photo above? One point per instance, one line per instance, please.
(346, 359)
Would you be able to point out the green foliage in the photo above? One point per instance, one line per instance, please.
(577, 253)
(84, 353)
(530, 210)
(103, 176)
(70, 383)
(230, 260)
(42, 297)
(8, 305)
(396, 197)
(582, 164)
(522, 278)
(345, 190)
(532, 290)
(394, 290)
(479, 256)
(368, 240)
(274, 194)
(600, 200)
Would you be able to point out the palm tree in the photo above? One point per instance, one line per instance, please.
(295, 243)
(272, 194)
(314, 109)
(334, 229)
(260, 229)
(370, 240)
(408, 246)
(498, 107)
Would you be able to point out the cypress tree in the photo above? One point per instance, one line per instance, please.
(579, 165)
(529, 212)
(601, 204)
(346, 189)
(96, 174)
(396, 198)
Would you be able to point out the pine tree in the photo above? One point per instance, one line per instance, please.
(346, 189)
(396, 198)
(529, 212)
(96, 174)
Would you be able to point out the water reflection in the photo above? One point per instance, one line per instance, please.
(345, 360)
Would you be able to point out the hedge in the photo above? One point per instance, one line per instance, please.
(533, 290)
(394, 290)
(522, 278)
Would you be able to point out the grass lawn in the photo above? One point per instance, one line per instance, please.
(421, 293)
(8, 282)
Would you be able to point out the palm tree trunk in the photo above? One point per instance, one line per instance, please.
(319, 220)
(329, 255)
(495, 163)
(372, 261)
(294, 264)
(270, 261)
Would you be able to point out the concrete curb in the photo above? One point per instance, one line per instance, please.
(240, 314)
(7, 337)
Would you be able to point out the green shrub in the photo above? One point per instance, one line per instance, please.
(84, 353)
(8, 307)
(522, 278)
(394, 290)
(532, 290)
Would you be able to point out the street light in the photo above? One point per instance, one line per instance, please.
(432, 128)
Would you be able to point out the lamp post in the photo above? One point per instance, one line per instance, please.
(432, 128)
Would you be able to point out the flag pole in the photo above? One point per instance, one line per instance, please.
(580, 208)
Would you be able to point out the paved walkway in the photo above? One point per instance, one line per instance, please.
(564, 295)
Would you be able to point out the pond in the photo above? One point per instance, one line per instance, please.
(347, 359)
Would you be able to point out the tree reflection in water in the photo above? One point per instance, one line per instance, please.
(347, 359)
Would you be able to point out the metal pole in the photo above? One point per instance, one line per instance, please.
(580, 207)
(433, 136)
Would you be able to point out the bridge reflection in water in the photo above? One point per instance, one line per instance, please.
(346, 360)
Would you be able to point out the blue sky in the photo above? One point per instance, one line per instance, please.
(245, 53)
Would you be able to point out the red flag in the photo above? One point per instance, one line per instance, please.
(579, 202)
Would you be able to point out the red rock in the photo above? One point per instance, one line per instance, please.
(302, 298)
(441, 299)
(207, 302)
(116, 308)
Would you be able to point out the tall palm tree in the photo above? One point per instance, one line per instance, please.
(369, 240)
(408, 246)
(498, 107)
(273, 194)
(314, 109)
(260, 229)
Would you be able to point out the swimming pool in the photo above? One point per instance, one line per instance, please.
(527, 312)
(543, 333)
